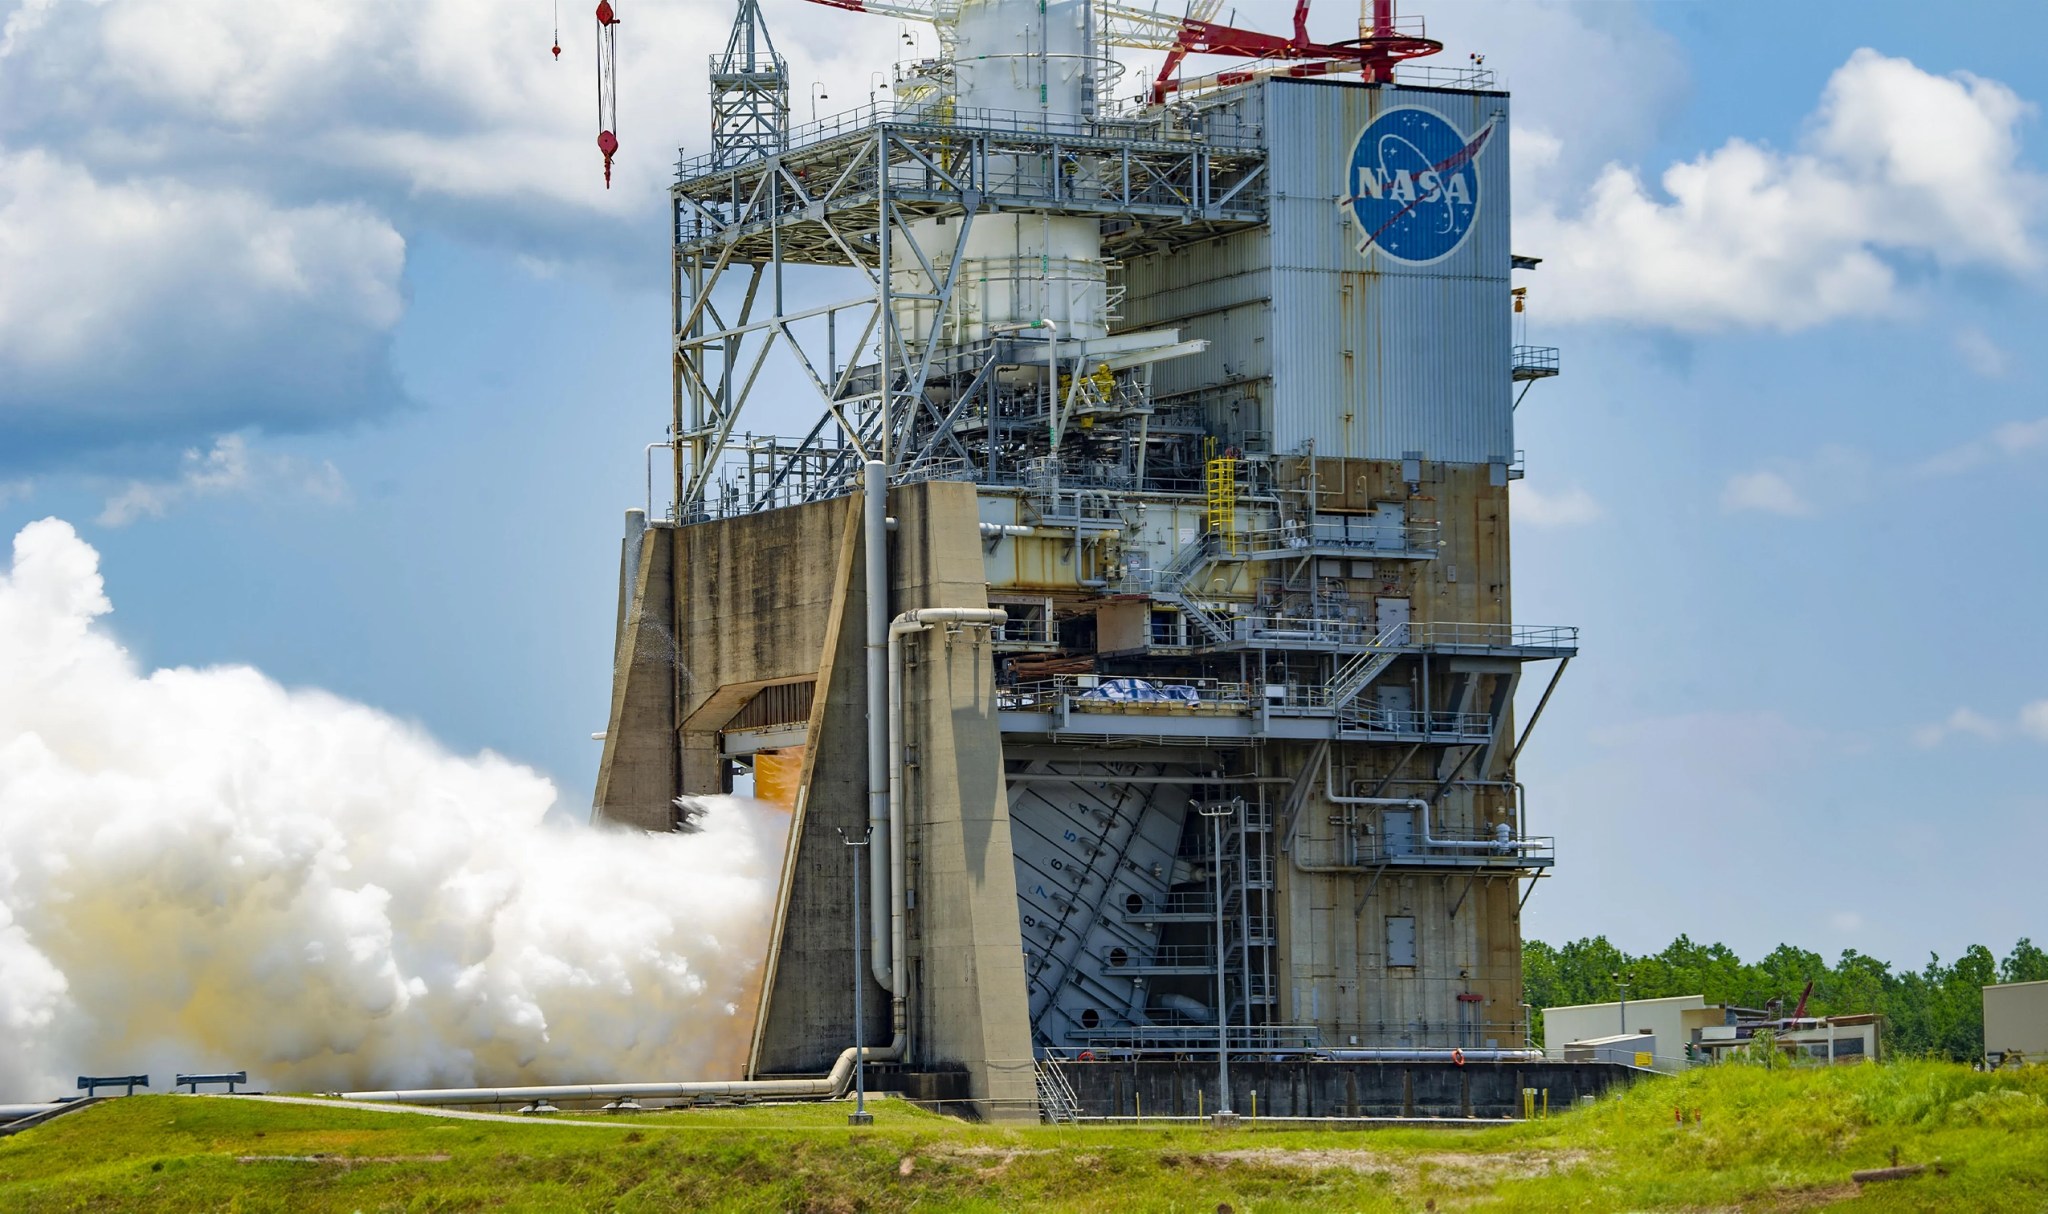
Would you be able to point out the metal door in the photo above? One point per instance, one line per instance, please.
(1391, 613)
(1397, 830)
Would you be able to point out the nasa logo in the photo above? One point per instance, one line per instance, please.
(1415, 185)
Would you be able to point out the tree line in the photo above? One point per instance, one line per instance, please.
(1936, 1010)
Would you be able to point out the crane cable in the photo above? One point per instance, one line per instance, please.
(607, 85)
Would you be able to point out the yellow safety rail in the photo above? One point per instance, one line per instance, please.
(1221, 483)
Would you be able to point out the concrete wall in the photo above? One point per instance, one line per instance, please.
(2016, 1019)
(774, 597)
(968, 1007)
(1335, 1089)
(637, 775)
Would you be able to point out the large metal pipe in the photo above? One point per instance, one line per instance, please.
(22, 1112)
(1495, 844)
(905, 624)
(831, 1084)
(875, 486)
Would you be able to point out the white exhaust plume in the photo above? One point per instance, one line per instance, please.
(202, 870)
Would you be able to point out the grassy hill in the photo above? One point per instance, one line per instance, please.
(1765, 1140)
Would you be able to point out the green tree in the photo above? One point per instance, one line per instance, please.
(2025, 963)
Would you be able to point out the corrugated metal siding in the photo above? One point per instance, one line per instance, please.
(1377, 357)
(1218, 291)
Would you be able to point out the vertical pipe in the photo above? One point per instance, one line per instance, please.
(875, 506)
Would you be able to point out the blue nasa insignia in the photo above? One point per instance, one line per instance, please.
(1414, 186)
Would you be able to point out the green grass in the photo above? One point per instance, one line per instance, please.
(1768, 1140)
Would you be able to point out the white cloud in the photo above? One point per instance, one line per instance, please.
(1981, 354)
(1963, 722)
(1766, 491)
(129, 305)
(200, 212)
(1833, 476)
(1570, 508)
(1746, 236)
(2031, 721)
(230, 467)
(1845, 921)
(2008, 440)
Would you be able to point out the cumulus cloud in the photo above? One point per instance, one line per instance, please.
(1799, 488)
(1571, 507)
(2008, 440)
(1747, 236)
(2030, 722)
(138, 309)
(1765, 491)
(229, 467)
(1963, 722)
(1981, 354)
(201, 211)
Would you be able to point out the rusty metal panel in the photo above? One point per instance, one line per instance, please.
(1381, 354)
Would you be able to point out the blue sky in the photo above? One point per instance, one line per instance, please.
(325, 332)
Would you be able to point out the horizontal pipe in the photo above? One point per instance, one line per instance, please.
(1428, 840)
(990, 531)
(1409, 1054)
(1088, 777)
(22, 1112)
(825, 1087)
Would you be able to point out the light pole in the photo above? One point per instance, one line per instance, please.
(1216, 811)
(1621, 980)
(860, 1114)
(818, 94)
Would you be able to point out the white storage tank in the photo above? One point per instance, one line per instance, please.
(1017, 269)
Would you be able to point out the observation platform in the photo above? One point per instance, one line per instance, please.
(822, 200)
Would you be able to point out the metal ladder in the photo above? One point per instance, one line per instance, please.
(1056, 1100)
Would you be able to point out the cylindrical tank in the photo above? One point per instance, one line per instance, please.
(1030, 60)
(1015, 270)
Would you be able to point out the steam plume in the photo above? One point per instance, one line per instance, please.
(201, 869)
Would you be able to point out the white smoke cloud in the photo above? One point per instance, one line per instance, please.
(201, 869)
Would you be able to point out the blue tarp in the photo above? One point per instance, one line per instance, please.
(1138, 691)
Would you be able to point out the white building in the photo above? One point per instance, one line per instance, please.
(1665, 1020)
(2016, 1021)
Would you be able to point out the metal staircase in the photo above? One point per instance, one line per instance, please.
(1358, 672)
(1056, 1100)
(1170, 586)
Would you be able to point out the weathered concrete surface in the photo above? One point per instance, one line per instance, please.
(1337, 1089)
(777, 596)
(807, 1017)
(968, 1002)
(636, 778)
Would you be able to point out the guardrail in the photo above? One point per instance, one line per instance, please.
(1525, 849)
(1215, 131)
(1453, 635)
(1362, 534)
(1201, 1038)
(1368, 717)
(1103, 693)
